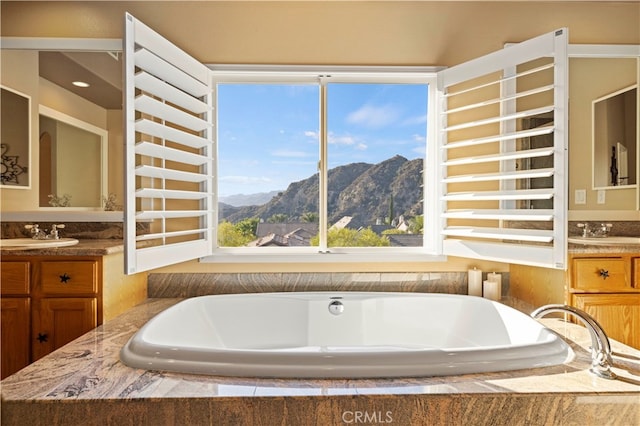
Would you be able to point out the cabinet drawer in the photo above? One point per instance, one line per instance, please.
(15, 278)
(636, 272)
(69, 278)
(601, 274)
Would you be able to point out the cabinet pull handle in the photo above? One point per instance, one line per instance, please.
(64, 278)
(42, 337)
(604, 274)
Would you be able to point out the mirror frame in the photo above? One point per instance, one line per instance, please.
(104, 148)
(108, 45)
(27, 142)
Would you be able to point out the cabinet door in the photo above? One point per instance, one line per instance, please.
(56, 322)
(15, 278)
(618, 314)
(14, 332)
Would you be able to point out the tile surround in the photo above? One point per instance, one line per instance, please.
(200, 284)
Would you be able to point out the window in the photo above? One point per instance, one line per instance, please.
(180, 133)
(270, 143)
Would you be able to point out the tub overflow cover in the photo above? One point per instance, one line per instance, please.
(336, 307)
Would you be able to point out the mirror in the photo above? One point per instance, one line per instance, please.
(614, 138)
(73, 161)
(44, 70)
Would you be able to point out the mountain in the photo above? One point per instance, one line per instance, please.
(360, 190)
(239, 200)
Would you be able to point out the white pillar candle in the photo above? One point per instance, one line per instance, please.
(492, 276)
(492, 290)
(475, 282)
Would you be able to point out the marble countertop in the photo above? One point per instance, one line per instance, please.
(85, 247)
(89, 368)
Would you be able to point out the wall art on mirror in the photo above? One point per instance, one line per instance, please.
(15, 135)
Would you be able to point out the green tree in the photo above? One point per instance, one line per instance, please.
(309, 217)
(248, 227)
(416, 224)
(391, 212)
(278, 218)
(393, 231)
(230, 235)
(346, 237)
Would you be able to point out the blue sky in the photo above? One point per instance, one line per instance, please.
(268, 134)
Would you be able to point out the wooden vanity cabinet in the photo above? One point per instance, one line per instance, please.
(67, 304)
(48, 301)
(606, 286)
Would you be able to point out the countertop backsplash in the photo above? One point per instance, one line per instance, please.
(629, 228)
(79, 230)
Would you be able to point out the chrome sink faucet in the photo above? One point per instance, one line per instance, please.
(590, 230)
(601, 360)
(39, 234)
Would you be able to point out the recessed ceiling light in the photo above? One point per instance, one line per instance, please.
(80, 84)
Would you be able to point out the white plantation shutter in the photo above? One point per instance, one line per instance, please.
(503, 154)
(169, 152)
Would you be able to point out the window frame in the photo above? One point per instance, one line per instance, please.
(322, 76)
(175, 68)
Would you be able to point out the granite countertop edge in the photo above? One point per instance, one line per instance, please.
(85, 247)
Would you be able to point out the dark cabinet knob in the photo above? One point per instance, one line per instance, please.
(64, 278)
(604, 274)
(42, 337)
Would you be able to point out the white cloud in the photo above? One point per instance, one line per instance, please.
(361, 147)
(374, 116)
(289, 153)
(312, 134)
(418, 119)
(341, 139)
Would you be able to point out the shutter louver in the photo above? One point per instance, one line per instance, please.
(503, 144)
(169, 152)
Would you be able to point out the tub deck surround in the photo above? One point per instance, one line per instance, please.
(85, 383)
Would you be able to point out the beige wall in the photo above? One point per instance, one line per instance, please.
(328, 32)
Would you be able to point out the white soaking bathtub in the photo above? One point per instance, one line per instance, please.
(342, 335)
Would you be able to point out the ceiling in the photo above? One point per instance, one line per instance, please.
(102, 70)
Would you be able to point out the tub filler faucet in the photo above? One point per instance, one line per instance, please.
(601, 360)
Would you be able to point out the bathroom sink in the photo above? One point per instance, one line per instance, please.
(26, 243)
(605, 241)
